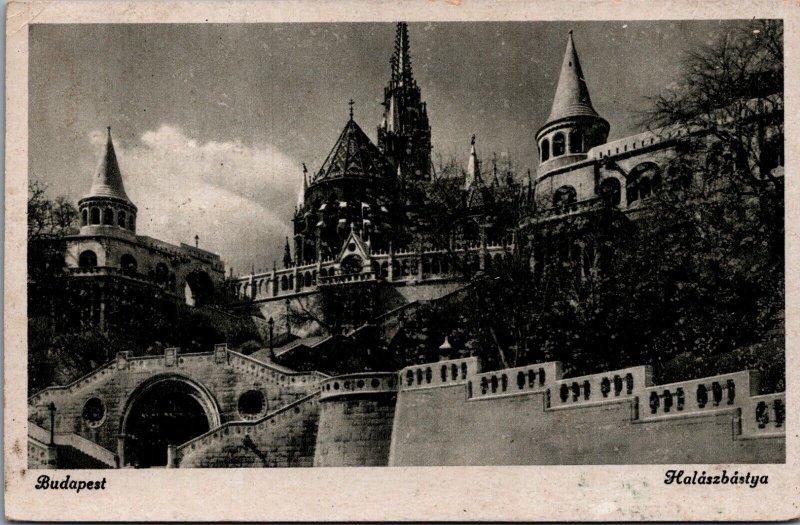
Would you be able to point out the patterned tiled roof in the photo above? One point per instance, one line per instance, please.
(354, 155)
(572, 95)
(108, 179)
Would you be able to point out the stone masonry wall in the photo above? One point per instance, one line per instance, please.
(285, 438)
(513, 419)
(222, 376)
(355, 432)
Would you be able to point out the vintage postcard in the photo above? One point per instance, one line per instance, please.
(407, 261)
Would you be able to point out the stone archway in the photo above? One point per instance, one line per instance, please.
(164, 410)
(199, 289)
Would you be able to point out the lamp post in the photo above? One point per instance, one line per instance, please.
(52, 458)
(52, 408)
(271, 324)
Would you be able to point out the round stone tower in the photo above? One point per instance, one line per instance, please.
(106, 209)
(573, 126)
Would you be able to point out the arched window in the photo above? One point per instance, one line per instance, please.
(131, 222)
(108, 217)
(644, 187)
(87, 259)
(307, 279)
(95, 215)
(558, 144)
(632, 188)
(121, 219)
(162, 273)
(84, 217)
(611, 191)
(575, 141)
(564, 195)
(128, 264)
(643, 181)
(284, 283)
(545, 149)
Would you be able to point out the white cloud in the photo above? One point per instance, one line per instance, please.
(239, 199)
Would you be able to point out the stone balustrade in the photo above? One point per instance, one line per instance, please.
(764, 416)
(514, 381)
(438, 374)
(410, 265)
(358, 384)
(267, 372)
(361, 277)
(287, 415)
(173, 359)
(608, 386)
(699, 395)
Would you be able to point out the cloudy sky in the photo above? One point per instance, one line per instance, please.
(212, 122)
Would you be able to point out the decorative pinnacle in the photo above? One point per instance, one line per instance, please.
(351, 104)
(472, 141)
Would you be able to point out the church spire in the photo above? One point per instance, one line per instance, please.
(108, 179)
(473, 167)
(404, 135)
(301, 196)
(572, 95)
(287, 254)
(401, 60)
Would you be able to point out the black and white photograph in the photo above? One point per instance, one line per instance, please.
(405, 243)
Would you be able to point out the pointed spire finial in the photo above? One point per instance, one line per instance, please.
(107, 181)
(401, 60)
(572, 95)
(351, 104)
(472, 141)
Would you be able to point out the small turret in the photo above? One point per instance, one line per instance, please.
(573, 126)
(473, 167)
(287, 255)
(107, 208)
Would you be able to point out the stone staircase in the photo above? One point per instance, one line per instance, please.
(283, 438)
(72, 450)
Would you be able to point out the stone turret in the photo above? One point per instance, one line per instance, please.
(573, 126)
(107, 209)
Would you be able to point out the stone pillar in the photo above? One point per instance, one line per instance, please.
(391, 262)
(419, 263)
(297, 282)
(482, 248)
(172, 456)
(102, 310)
(52, 456)
(120, 450)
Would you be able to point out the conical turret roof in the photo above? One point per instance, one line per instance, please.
(108, 179)
(572, 96)
(354, 155)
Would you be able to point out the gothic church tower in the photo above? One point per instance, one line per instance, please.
(404, 135)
